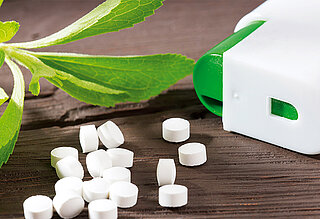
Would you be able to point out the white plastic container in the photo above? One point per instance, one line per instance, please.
(279, 60)
(276, 64)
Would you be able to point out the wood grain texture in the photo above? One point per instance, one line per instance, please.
(243, 178)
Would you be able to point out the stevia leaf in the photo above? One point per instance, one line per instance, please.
(140, 77)
(3, 96)
(2, 56)
(37, 68)
(110, 16)
(81, 89)
(10, 121)
(74, 87)
(8, 30)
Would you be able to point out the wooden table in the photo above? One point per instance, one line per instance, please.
(242, 178)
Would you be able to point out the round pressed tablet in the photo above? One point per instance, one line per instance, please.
(173, 196)
(70, 183)
(38, 207)
(125, 194)
(175, 130)
(102, 209)
(110, 135)
(192, 154)
(97, 162)
(69, 166)
(116, 174)
(121, 157)
(166, 172)
(94, 189)
(68, 204)
(62, 152)
(88, 138)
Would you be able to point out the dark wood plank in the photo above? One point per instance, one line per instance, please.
(243, 178)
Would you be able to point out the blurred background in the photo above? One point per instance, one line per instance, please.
(189, 27)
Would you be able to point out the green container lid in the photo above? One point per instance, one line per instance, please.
(208, 76)
(208, 72)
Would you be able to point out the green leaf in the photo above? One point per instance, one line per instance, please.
(106, 80)
(2, 56)
(3, 96)
(97, 94)
(110, 16)
(139, 77)
(8, 30)
(10, 121)
(86, 91)
(37, 68)
(1, 1)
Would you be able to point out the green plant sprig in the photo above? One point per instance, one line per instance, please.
(98, 80)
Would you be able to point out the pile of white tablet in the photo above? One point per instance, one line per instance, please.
(192, 154)
(111, 185)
